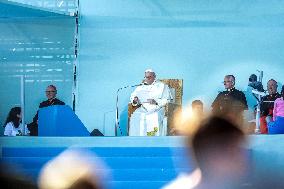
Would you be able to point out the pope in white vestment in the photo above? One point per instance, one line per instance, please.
(152, 97)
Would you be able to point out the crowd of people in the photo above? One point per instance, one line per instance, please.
(216, 144)
(151, 97)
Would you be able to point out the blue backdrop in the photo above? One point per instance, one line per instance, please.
(198, 41)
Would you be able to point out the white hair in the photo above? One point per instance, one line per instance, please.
(149, 70)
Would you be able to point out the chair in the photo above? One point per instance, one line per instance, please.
(176, 88)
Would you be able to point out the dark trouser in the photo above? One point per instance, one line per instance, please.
(33, 128)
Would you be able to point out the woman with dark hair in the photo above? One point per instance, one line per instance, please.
(277, 126)
(13, 125)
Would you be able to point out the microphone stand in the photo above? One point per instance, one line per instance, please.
(117, 126)
(259, 95)
(257, 118)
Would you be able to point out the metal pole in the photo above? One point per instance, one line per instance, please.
(116, 108)
(257, 118)
(117, 115)
(23, 102)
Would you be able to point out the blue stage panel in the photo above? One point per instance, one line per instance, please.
(139, 162)
(100, 151)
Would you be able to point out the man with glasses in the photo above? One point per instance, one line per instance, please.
(151, 97)
(50, 93)
(230, 103)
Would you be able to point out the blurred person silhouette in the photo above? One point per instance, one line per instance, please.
(255, 84)
(217, 147)
(11, 179)
(230, 103)
(188, 118)
(267, 104)
(74, 169)
(50, 92)
(13, 125)
(197, 107)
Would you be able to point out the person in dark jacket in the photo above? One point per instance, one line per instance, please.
(230, 103)
(50, 92)
(267, 104)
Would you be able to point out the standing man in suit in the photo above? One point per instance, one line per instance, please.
(50, 92)
(230, 103)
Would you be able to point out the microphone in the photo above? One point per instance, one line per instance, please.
(131, 86)
(260, 75)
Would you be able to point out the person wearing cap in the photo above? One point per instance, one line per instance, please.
(151, 97)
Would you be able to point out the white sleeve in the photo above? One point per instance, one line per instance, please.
(8, 129)
(27, 132)
(165, 96)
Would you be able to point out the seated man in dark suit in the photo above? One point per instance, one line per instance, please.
(267, 104)
(51, 100)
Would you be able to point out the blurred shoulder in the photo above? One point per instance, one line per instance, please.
(9, 124)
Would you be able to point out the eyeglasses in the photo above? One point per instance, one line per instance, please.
(227, 82)
(50, 91)
(148, 77)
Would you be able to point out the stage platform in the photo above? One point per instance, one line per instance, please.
(137, 162)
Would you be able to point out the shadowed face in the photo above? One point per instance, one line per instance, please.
(150, 77)
(198, 109)
(50, 92)
(228, 82)
(271, 87)
(19, 116)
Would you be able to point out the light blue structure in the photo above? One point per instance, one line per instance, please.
(36, 42)
(143, 162)
(197, 41)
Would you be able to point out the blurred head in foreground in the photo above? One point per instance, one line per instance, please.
(217, 146)
(73, 169)
(12, 178)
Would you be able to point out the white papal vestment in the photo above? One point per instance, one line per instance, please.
(148, 118)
